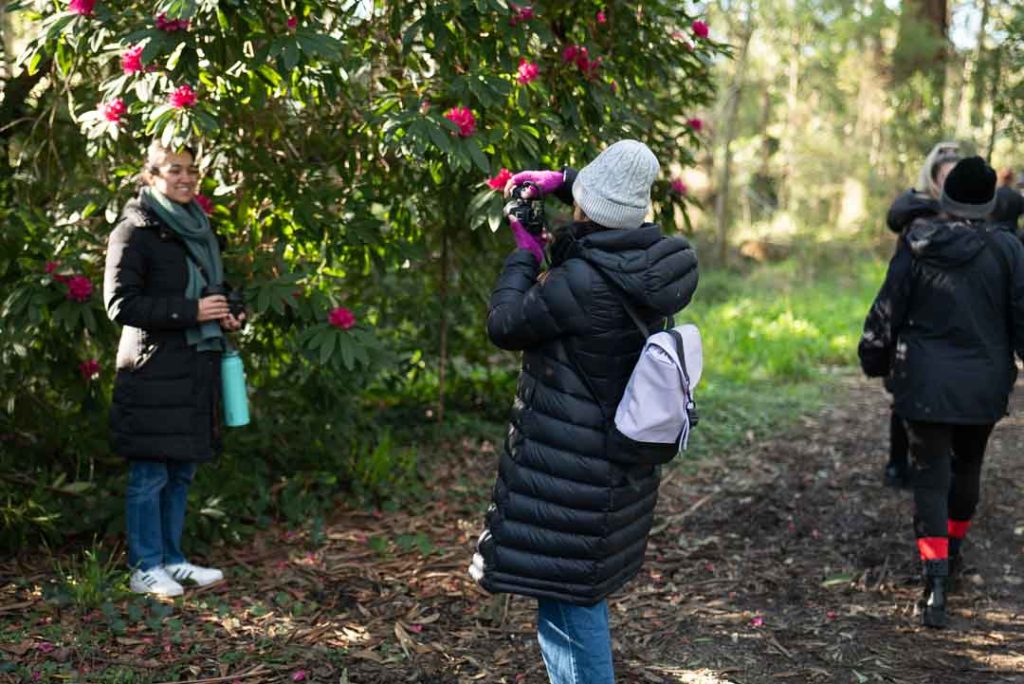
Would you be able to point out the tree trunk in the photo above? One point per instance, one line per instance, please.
(732, 107)
(981, 68)
(922, 48)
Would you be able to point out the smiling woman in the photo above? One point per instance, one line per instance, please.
(173, 173)
(163, 264)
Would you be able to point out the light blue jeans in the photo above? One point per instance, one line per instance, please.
(575, 642)
(155, 512)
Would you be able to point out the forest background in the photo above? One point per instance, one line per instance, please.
(346, 149)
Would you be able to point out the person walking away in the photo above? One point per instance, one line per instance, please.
(911, 205)
(569, 518)
(1009, 203)
(945, 326)
(165, 417)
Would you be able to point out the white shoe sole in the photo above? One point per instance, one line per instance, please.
(142, 589)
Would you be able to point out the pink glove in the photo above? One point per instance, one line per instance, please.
(547, 181)
(533, 243)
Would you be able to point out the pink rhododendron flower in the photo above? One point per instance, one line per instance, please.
(757, 621)
(520, 14)
(464, 119)
(183, 97)
(501, 180)
(601, 18)
(79, 288)
(51, 266)
(299, 676)
(83, 7)
(569, 53)
(341, 317)
(171, 25)
(89, 369)
(205, 203)
(696, 124)
(131, 60)
(700, 29)
(293, 22)
(678, 186)
(528, 71)
(415, 629)
(112, 111)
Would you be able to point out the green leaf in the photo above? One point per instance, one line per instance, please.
(328, 347)
(478, 157)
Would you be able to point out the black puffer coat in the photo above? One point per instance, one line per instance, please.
(166, 394)
(946, 322)
(568, 520)
(909, 207)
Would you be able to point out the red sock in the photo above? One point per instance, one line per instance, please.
(957, 529)
(933, 548)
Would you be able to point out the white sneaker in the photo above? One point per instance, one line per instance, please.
(154, 581)
(194, 574)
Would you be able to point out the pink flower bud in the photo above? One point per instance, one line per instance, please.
(500, 181)
(678, 186)
(601, 18)
(700, 29)
(51, 266)
(342, 318)
(79, 288)
(183, 97)
(464, 119)
(205, 203)
(293, 22)
(82, 7)
(90, 370)
(112, 111)
(528, 71)
(696, 124)
(131, 60)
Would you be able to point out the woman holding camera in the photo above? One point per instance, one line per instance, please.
(570, 515)
(164, 283)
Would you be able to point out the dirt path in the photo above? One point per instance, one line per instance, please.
(785, 562)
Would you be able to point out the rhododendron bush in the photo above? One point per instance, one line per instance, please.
(346, 150)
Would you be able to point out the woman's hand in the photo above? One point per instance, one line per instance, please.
(232, 324)
(212, 308)
(546, 181)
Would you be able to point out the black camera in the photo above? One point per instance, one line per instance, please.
(236, 300)
(527, 208)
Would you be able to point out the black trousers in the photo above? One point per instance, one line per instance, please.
(898, 443)
(945, 462)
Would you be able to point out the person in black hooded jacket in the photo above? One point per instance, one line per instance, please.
(945, 326)
(921, 201)
(569, 519)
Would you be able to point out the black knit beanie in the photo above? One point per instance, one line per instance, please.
(970, 189)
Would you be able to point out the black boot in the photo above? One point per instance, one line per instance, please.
(933, 607)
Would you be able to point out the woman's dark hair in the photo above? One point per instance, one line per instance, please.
(157, 151)
(937, 164)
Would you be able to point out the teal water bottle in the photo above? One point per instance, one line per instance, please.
(236, 401)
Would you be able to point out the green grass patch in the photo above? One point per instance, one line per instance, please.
(773, 339)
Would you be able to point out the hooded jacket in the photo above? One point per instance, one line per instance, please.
(947, 321)
(570, 518)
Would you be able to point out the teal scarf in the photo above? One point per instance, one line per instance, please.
(189, 222)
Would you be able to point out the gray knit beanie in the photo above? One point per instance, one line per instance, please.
(614, 190)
